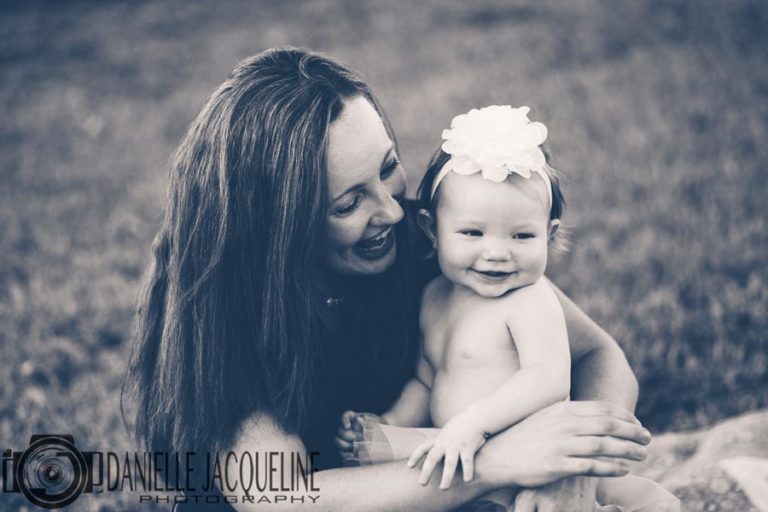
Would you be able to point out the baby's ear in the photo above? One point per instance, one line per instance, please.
(554, 225)
(428, 226)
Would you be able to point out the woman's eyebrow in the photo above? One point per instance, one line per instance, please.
(350, 189)
(359, 185)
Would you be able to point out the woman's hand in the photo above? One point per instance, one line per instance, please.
(562, 440)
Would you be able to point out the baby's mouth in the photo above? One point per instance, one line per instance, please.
(493, 275)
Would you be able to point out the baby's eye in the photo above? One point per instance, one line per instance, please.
(471, 232)
(524, 236)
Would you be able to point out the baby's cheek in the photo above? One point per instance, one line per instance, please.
(459, 256)
(541, 259)
(445, 247)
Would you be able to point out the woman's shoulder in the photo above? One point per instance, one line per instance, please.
(262, 431)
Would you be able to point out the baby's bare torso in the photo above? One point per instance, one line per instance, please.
(468, 345)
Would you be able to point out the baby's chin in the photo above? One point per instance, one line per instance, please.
(501, 289)
(499, 294)
(494, 292)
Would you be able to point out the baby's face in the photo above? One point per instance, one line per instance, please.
(492, 237)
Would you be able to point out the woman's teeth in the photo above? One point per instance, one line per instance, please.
(377, 242)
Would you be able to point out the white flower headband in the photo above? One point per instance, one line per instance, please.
(496, 141)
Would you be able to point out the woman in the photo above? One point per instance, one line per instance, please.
(284, 288)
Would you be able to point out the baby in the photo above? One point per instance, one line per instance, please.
(495, 346)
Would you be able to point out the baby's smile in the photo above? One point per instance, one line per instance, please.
(493, 275)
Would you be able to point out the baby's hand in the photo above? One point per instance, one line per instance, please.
(351, 431)
(460, 437)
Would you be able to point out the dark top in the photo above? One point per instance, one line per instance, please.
(365, 369)
(357, 376)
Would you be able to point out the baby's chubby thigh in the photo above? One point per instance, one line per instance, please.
(636, 494)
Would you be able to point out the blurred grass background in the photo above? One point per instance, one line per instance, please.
(657, 114)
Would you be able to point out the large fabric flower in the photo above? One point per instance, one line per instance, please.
(496, 141)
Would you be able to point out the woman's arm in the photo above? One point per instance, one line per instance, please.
(599, 372)
(562, 440)
(364, 488)
(600, 369)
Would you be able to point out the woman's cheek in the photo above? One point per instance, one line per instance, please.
(399, 183)
(347, 231)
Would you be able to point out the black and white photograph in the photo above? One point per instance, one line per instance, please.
(384, 255)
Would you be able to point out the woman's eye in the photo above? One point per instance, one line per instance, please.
(389, 169)
(471, 232)
(524, 236)
(351, 207)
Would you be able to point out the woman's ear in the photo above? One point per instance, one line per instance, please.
(554, 225)
(427, 224)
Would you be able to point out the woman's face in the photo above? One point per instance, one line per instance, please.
(365, 183)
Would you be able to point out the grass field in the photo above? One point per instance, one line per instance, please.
(657, 114)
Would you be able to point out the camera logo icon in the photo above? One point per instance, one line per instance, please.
(51, 473)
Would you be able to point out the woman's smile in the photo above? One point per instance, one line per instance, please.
(376, 247)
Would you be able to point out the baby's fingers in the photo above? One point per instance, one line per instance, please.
(433, 458)
(349, 435)
(419, 452)
(347, 417)
(449, 468)
(468, 465)
(344, 446)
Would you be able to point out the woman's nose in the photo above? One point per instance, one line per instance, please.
(389, 210)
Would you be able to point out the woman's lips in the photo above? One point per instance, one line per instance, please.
(376, 247)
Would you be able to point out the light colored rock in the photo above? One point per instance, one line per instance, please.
(693, 466)
(751, 474)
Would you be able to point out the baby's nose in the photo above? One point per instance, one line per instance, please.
(497, 253)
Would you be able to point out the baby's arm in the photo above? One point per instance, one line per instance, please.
(410, 410)
(537, 325)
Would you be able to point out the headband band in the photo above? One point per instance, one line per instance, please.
(495, 141)
(448, 168)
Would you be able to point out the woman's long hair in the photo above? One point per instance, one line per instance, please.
(232, 305)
